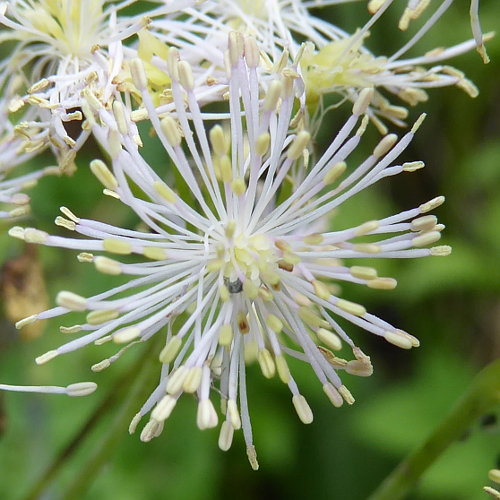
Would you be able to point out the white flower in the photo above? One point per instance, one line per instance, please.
(333, 61)
(243, 266)
(415, 8)
(63, 47)
(15, 150)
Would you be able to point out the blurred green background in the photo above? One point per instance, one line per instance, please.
(452, 304)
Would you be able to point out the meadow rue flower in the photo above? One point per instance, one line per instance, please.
(15, 150)
(62, 48)
(415, 8)
(240, 265)
(333, 61)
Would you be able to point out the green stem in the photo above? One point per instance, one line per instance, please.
(482, 396)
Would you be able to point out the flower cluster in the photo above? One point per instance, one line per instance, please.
(242, 262)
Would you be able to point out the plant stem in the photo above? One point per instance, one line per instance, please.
(482, 396)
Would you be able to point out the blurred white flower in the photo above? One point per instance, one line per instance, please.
(333, 61)
(241, 264)
(16, 149)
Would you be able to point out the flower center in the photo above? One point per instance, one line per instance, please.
(72, 25)
(245, 262)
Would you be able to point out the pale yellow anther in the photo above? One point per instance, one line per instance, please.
(107, 266)
(81, 389)
(424, 223)
(85, 257)
(192, 380)
(206, 417)
(26, 321)
(71, 301)
(330, 339)
(363, 101)
(266, 363)
(374, 5)
(412, 166)
(164, 408)
(250, 289)
(265, 294)
(32, 235)
(134, 423)
(251, 352)
(169, 352)
(67, 224)
(363, 272)
(367, 248)
(432, 204)
(313, 239)
(351, 307)
(302, 408)
(226, 168)
(154, 253)
(119, 114)
(426, 239)
(101, 316)
(417, 124)
(226, 435)
(45, 358)
(119, 247)
(333, 395)
(102, 365)
(291, 258)
(366, 228)
(494, 475)
(103, 340)
(252, 457)
(186, 75)
(298, 145)
(138, 73)
(223, 293)
(272, 96)
(385, 145)
(234, 414)
(150, 430)
(270, 277)
(16, 232)
(176, 380)
(311, 318)
(398, 339)
(252, 54)
(262, 143)
(321, 290)
(274, 323)
(346, 394)
(382, 284)
(236, 47)
(70, 329)
(225, 335)
(282, 368)
(219, 144)
(164, 191)
(173, 63)
(492, 492)
(359, 368)
(127, 335)
(335, 361)
(171, 131)
(440, 251)
(238, 186)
